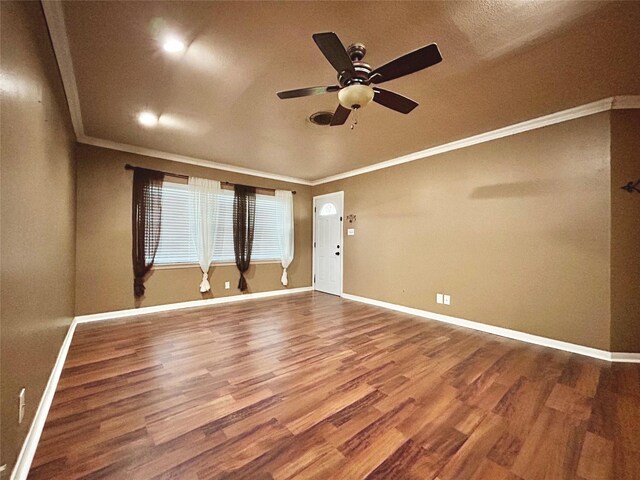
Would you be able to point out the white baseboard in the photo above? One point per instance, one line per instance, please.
(625, 357)
(28, 450)
(195, 303)
(503, 332)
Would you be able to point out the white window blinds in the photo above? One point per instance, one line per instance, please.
(176, 245)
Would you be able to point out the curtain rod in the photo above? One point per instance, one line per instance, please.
(186, 177)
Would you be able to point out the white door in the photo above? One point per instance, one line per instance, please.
(327, 252)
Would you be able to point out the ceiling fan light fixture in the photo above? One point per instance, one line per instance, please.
(355, 77)
(355, 96)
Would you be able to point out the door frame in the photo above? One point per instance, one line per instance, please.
(313, 239)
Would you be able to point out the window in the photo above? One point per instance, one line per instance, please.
(175, 242)
(328, 209)
(176, 245)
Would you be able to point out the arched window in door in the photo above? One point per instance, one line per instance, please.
(328, 209)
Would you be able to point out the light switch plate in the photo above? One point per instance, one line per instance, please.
(439, 298)
(447, 299)
(351, 232)
(227, 285)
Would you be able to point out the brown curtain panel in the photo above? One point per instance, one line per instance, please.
(244, 219)
(146, 216)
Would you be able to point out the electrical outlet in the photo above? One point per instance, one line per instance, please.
(351, 231)
(21, 405)
(439, 298)
(447, 299)
(227, 285)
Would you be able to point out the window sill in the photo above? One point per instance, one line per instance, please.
(171, 266)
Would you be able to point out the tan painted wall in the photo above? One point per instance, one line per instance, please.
(104, 274)
(37, 216)
(625, 232)
(516, 230)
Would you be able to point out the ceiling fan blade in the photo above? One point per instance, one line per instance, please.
(307, 92)
(332, 48)
(410, 63)
(393, 100)
(340, 116)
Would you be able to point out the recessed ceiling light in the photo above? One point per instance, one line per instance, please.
(173, 45)
(148, 119)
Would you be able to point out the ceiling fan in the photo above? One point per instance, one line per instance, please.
(355, 77)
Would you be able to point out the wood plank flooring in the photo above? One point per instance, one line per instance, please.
(312, 386)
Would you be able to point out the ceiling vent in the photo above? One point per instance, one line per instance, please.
(321, 118)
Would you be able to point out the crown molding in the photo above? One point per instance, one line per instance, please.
(626, 102)
(54, 16)
(610, 103)
(149, 152)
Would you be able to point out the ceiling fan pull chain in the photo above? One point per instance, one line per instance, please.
(355, 77)
(355, 118)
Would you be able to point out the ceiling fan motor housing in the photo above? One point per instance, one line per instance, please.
(355, 92)
(360, 75)
(361, 70)
(355, 76)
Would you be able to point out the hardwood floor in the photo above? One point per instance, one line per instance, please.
(313, 386)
